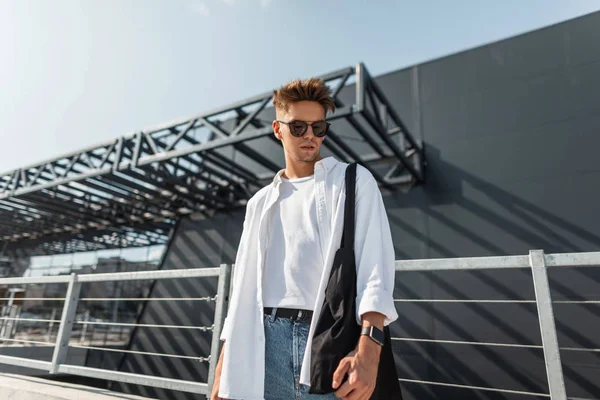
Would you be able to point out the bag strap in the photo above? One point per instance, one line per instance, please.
(350, 207)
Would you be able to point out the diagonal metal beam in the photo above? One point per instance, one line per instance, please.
(214, 128)
(151, 143)
(180, 135)
(391, 110)
(392, 146)
(250, 117)
(35, 177)
(365, 135)
(70, 166)
(107, 153)
(333, 136)
(339, 88)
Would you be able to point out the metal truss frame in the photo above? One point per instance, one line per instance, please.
(129, 191)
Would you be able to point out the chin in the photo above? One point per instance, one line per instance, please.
(308, 158)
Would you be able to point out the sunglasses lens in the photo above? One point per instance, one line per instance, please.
(298, 128)
(320, 128)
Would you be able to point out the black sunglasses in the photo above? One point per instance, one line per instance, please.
(299, 128)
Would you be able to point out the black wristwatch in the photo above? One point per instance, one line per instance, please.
(374, 333)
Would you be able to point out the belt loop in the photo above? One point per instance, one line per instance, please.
(299, 317)
(273, 313)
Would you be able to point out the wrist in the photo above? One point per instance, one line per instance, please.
(367, 348)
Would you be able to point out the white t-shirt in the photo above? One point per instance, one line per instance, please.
(293, 263)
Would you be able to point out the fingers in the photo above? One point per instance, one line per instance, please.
(340, 372)
(354, 389)
(344, 390)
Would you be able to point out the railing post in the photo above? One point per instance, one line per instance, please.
(66, 323)
(220, 314)
(543, 299)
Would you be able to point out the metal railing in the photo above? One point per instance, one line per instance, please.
(68, 320)
(538, 263)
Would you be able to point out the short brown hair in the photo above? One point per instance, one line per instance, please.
(311, 89)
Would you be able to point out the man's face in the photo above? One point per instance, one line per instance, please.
(308, 147)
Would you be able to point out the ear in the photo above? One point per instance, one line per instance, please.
(276, 129)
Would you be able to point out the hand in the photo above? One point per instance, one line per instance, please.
(361, 368)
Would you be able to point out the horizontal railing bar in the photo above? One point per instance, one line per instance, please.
(208, 298)
(149, 299)
(31, 319)
(83, 322)
(27, 341)
(31, 298)
(201, 328)
(25, 362)
(470, 263)
(491, 301)
(35, 280)
(589, 259)
(528, 346)
(474, 387)
(137, 379)
(580, 349)
(116, 276)
(579, 398)
(460, 301)
(200, 359)
(142, 275)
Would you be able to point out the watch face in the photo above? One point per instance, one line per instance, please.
(375, 334)
(378, 335)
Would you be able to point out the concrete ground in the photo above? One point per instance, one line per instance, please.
(19, 387)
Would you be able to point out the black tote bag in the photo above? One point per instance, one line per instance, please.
(337, 333)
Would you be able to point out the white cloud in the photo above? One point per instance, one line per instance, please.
(199, 7)
(228, 2)
(265, 3)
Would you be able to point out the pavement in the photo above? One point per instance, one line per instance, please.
(19, 387)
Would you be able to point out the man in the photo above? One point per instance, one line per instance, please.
(291, 232)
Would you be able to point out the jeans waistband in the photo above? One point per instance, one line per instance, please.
(295, 314)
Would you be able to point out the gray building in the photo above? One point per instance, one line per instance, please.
(510, 132)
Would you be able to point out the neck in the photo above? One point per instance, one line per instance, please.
(299, 169)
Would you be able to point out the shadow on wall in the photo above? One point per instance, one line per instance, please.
(198, 243)
(457, 214)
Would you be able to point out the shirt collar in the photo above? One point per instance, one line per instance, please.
(327, 163)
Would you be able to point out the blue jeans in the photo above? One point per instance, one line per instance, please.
(285, 341)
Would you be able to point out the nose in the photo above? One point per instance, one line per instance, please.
(309, 129)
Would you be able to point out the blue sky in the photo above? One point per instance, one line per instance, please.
(74, 73)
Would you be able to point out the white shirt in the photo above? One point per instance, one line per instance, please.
(293, 261)
(243, 371)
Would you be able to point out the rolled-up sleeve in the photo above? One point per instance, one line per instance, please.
(374, 251)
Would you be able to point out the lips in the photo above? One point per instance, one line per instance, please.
(307, 147)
